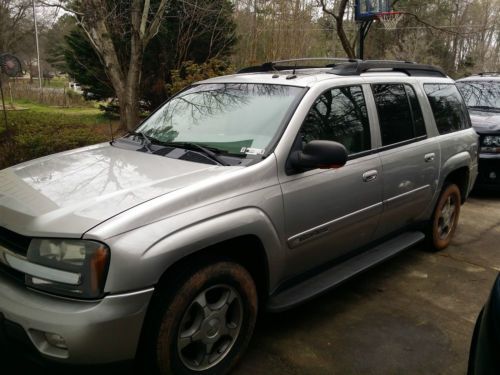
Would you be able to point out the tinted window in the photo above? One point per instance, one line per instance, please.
(448, 107)
(339, 115)
(481, 94)
(394, 113)
(416, 111)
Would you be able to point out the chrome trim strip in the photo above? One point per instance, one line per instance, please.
(46, 273)
(323, 228)
(129, 294)
(392, 199)
(483, 155)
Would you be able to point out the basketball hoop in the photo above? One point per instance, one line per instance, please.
(389, 19)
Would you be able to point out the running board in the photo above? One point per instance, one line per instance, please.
(336, 275)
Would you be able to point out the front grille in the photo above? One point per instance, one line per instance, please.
(14, 242)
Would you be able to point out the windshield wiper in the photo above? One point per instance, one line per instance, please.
(204, 150)
(146, 141)
(210, 152)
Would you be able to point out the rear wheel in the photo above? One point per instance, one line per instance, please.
(207, 322)
(445, 217)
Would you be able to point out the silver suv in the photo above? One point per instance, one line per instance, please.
(254, 191)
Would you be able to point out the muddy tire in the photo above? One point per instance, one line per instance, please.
(204, 322)
(444, 219)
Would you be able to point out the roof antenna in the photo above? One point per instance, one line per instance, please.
(294, 67)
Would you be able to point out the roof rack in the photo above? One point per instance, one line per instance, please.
(351, 67)
(407, 67)
(296, 64)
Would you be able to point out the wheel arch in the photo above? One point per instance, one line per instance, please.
(246, 236)
(459, 177)
(457, 170)
(253, 258)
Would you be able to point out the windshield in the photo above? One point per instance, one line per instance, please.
(234, 118)
(481, 94)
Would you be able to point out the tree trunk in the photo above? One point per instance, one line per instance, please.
(129, 95)
(97, 21)
(129, 111)
(339, 25)
(348, 48)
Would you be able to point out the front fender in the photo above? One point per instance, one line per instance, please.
(147, 268)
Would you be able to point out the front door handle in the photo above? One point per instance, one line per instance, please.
(370, 175)
(429, 157)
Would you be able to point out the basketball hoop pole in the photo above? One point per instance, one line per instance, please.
(367, 11)
(364, 28)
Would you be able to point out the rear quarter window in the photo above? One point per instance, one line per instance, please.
(448, 107)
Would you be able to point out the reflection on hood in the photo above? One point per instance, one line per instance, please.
(71, 192)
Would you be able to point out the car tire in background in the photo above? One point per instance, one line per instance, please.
(444, 219)
(203, 322)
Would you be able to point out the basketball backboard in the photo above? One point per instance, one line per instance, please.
(367, 10)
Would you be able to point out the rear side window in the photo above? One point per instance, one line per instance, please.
(340, 115)
(448, 107)
(399, 113)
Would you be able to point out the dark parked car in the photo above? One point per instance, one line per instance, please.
(482, 95)
(484, 356)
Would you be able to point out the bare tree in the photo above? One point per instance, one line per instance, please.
(13, 26)
(107, 22)
(337, 10)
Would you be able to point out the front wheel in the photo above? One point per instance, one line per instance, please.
(207, 323)
(445, 217)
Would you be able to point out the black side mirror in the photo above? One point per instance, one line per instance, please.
(319, 154)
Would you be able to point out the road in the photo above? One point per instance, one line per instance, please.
(411, 315)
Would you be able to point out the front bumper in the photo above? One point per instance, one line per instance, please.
(489, 171)
(95, 332)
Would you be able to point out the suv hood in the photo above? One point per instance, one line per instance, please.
(66, 194)
(485, 122)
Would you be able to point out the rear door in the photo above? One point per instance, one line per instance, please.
(410, 159)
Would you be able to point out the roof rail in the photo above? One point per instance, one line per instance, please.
(296, 64)
(482, 74)
(407, 67)
(348, 67)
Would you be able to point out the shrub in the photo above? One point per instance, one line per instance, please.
(34, 134)
(191, 72)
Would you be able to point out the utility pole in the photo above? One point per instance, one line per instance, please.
(37, 50)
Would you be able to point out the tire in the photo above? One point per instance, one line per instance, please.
(204, 321)
(444, 219)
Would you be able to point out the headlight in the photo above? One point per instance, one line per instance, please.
(74, 268)
(490, 143)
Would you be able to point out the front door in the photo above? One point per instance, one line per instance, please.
(331, 212)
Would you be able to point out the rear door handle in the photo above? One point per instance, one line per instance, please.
(370, 175)
(429, 157)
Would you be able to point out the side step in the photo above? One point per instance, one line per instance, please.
(341, 272)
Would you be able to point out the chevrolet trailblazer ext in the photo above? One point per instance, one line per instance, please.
(252, 191)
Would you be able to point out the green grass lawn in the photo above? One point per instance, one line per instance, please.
(32, 111)
(36, 130)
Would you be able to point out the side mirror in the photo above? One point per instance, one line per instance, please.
(319, 154)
